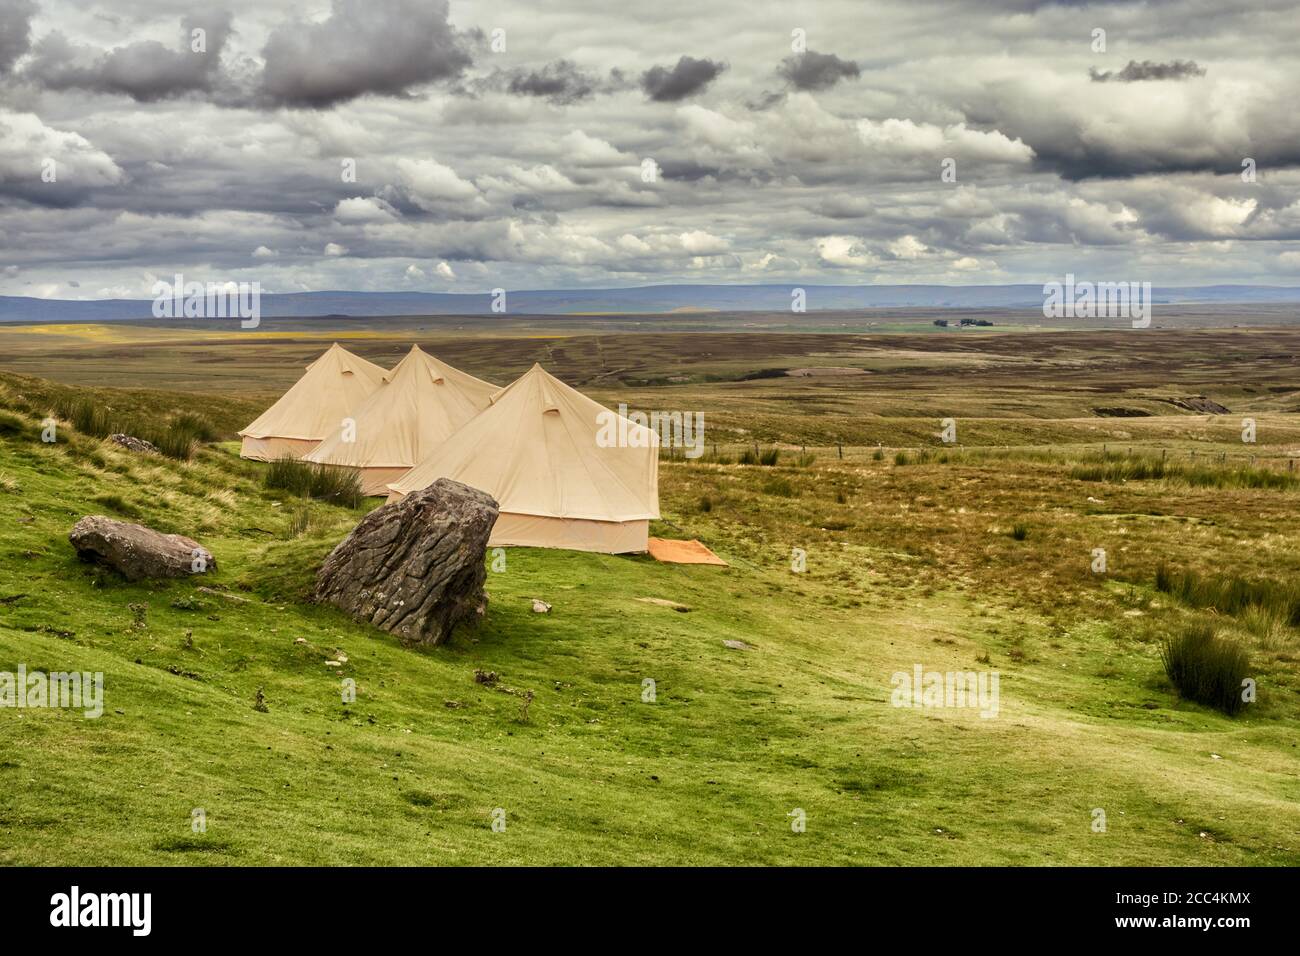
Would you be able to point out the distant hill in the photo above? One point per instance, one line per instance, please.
(641, 300)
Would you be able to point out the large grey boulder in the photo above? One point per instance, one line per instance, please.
(138, 552)
(415, 567)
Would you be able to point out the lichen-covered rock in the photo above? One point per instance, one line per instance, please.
(131, 443)
(137, 552)
(415, 567)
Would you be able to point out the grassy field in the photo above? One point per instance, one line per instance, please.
(967, 557)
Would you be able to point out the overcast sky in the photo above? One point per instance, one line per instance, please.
(621, 143)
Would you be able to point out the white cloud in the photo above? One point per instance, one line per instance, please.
(431, 184)
(908, 247)
(27, 144)
(583, 150)
(845, 252)
(700, 243)
(363, 209)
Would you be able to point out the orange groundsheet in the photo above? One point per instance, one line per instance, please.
(683, 552)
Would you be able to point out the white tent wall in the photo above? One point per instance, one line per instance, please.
(273, 449)
(573, 534)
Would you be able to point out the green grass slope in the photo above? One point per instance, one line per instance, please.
(586, 771)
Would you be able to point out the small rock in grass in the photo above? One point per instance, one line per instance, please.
(540, 607)
(131, 443)
(737, 645)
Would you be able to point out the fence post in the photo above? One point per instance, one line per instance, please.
(840, 449)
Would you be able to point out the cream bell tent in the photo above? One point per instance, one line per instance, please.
(420, 404)
(333, 388)
(566, 471)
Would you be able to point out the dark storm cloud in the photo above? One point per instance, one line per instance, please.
(15, 31)
(362, 47)
(816, 71)
(146, 71)
(688, 77)
(687, 171)
(1148, 70)
(1081, 161)
(561, 82)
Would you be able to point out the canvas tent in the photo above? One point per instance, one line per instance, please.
(332, 388)
(566, 471)
(421, 403)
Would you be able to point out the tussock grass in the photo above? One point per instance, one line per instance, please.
(1146, 468)
(305, 479)
(198, 426)
(1231, 594)
(762, 456)
(1206, 667)
(12, 424)
(1268, 628)
(178, 438)
(780, 487)
(301, 520)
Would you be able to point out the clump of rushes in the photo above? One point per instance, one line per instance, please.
(1231, 594)
(1206, 668)
(305, 479)
(178, 438)
(1019, 531)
